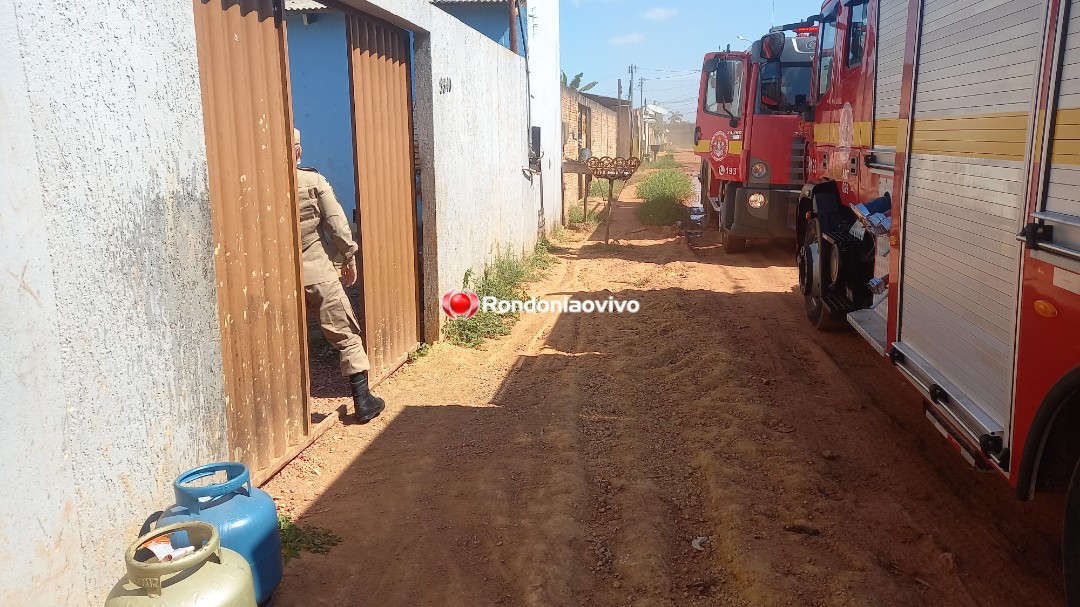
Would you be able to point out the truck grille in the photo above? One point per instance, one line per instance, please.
(798, 159)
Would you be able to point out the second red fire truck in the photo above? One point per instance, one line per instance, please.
(941, 218)
(752, 155)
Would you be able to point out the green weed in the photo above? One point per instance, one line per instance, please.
(295, 538)
(503, 279)
(601, 187)
(662, 161)
(419, 352)
(663, 193)
(576, 215)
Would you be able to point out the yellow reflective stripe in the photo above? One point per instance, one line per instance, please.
(734, 147)
(861, 136)
(1066, 137)
(996, 136)
(886, 132)
(829, 134)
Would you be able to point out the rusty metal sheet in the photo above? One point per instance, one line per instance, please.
(248, 125)
(379, 68)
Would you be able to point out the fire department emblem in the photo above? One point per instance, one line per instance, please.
(846, 135)
(719, 145)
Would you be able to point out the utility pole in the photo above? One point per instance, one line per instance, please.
(643, 135)
(618, 123)
(630, 114)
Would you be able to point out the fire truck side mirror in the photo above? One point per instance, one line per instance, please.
(725, 82)
(772, 46)
(772, 92)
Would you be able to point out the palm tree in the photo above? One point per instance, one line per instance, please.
(576, 83)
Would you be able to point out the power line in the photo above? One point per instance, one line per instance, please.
(676, 76)
(651, 69)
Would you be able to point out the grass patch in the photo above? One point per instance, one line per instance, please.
(419, 352)
(576, 215)
(502, 279)
(295, 538)
(663, 193)
(601, 187)
(662, 161)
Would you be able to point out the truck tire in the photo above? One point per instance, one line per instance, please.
(811, 268)
(712, 221)
(730, 242)
(1070, 541)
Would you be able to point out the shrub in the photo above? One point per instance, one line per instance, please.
(663, 193)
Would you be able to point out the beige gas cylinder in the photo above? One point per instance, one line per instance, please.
(211, 576)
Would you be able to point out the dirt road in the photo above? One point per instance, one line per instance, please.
(575, 461)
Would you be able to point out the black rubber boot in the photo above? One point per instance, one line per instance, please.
(368, 406)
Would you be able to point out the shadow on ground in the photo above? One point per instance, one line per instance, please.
(803, 458)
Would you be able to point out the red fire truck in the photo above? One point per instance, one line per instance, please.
(941, 218)
(752, 155)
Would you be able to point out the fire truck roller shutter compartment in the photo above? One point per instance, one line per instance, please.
(892, 40)
(1061, 205)
(975, 85)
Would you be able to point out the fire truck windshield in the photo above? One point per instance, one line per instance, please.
(794, 90)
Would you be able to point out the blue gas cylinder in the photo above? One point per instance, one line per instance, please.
(245, 517)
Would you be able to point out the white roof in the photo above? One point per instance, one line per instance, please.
(304, 5)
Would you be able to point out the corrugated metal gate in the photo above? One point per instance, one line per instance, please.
(379, 67)
(247, 116)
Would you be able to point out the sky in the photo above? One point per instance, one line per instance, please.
(665, 39)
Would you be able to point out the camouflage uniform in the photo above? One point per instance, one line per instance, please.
(321, 216)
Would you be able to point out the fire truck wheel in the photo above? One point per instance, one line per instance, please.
(732, 243)
(811, 270)
(1070, 541)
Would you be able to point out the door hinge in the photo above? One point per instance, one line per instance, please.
(1034, 233)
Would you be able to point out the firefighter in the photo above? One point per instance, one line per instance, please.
(321, 216)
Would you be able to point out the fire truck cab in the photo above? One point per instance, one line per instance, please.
(752, 155)
(941, 219)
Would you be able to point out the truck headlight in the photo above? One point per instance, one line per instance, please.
(756, 200)
(759, 170)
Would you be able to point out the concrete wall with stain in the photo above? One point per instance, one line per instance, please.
(473, 114)
(110, 373)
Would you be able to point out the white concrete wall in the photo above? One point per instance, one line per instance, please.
(545, 75)
(474, 140)
(483, 199)
(110, 369)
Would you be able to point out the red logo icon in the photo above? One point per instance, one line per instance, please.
(460, 304)
(719, 145)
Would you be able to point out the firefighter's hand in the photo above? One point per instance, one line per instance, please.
(348, 274)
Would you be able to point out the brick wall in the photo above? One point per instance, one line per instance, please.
(604, 131)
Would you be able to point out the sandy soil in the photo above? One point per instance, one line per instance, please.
(575, 461)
